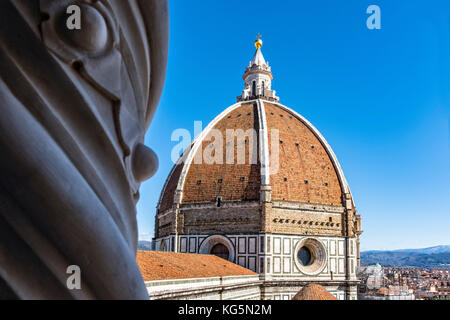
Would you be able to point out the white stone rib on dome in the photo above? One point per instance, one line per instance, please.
(264, 144)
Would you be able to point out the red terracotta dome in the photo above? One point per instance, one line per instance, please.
(307, 170)
(314, 292)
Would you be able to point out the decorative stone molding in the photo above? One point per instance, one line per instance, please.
(307, 207)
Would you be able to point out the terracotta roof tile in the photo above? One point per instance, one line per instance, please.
(170, 265)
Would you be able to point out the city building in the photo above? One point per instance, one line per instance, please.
(372, 277)
(262, 188)
(403, 283)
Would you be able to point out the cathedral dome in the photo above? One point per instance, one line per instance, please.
(285, 152)
(258, 166)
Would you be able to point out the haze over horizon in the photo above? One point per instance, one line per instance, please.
(446, 247)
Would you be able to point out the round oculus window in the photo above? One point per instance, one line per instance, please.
(311, 256)
(304, 256)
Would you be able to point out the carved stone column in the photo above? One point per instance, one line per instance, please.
(75, 106)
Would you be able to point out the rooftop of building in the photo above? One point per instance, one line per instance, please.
(170, 265)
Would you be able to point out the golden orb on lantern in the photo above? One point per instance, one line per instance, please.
(258, 42)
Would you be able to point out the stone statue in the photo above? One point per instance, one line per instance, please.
(75, 105)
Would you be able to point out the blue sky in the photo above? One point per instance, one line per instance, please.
(381, 98)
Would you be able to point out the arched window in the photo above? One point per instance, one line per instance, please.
(220, 251)
(254, 88)
(263, 89)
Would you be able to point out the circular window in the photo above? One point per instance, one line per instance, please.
(304, 256)
(310, 256)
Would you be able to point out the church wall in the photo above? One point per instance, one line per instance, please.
(229, 218)
(299, 218)
(279, 292)
(281, 258)
(166, 223)
(246, 248)
(274, 256)
(282, 274)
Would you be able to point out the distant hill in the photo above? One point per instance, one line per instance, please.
(144, 245)
(433, 257)
(431, 250)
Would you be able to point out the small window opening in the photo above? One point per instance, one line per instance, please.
(219, 202)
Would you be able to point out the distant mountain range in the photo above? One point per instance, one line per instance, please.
(438, 256)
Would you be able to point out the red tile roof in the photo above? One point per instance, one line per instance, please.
(170, 265)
